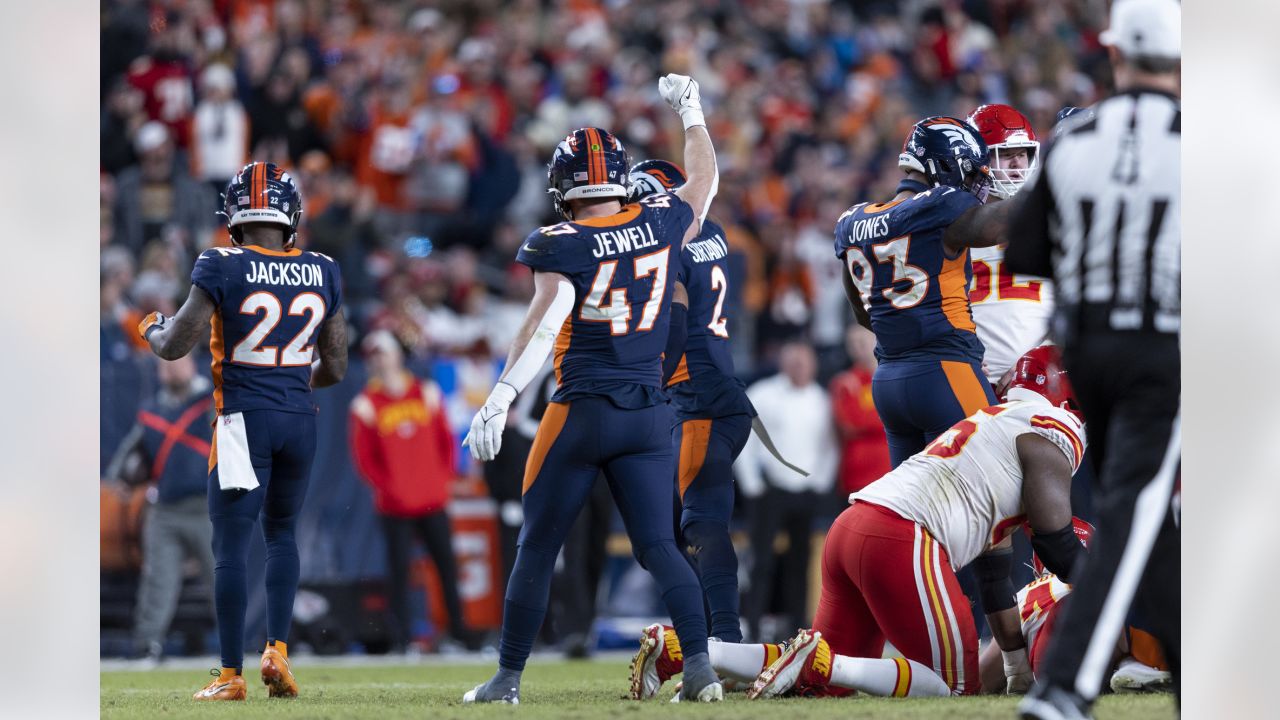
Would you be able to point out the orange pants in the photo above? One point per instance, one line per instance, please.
(885, 578)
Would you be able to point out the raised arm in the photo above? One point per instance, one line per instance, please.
(331, 367)
(981, 226)
(553, 298)
(681, 92)
(172, 338)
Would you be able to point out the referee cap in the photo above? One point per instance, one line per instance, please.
(1145, 28)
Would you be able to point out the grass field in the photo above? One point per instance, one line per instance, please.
(551, 689)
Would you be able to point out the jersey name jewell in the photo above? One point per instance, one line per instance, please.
(613, 242)
(292, 274)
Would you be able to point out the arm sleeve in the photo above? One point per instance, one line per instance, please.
(526, 367)
(1029, 241)
(207, 274)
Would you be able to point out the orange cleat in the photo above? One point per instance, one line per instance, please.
(276, 674)
(226, 685)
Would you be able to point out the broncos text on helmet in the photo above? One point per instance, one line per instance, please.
(948, 151)
(589, 163)
(655, 176)
(262, 192)
(1006, 130)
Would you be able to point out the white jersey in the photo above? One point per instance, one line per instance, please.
(1012, 312)
(965, 488)
(1035, 601)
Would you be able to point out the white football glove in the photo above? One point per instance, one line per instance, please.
(485, 436)
(681, 93)
(1017, 672)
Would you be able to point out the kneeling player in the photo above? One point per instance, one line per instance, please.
(889, 560)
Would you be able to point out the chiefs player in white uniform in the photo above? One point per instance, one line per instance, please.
(1012, 312)
(888, 567)
(889, 562)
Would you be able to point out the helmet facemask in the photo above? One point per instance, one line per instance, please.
(1007, 182)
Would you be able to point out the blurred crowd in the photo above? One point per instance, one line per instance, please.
(419, 133)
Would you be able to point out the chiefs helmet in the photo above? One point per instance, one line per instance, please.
(948, 152)
(655, 176)
(1005, 129)
(262, 192)
(588, 163)
(1084, 533)
(1039, 375)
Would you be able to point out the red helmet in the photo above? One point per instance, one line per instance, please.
(1004, 128)
(1084, 533)
(1040, 371)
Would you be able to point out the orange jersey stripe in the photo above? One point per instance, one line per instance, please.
(682, 372)
(695, 436)
(593, 142)
(627, 214)
(563, 338)
(548, 430)
(954, 287)
(965, 385)
(219, 354)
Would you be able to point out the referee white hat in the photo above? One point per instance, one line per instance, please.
(1145, 28)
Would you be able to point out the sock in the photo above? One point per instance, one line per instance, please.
(698, 674)
(718, 570)
(740, 661)
(887, 677)
(526, 604)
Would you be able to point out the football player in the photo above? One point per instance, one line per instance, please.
(603, 284)
(1011, 311)
(713, 414)
(888, 565)
(272, 309)
(910, 286)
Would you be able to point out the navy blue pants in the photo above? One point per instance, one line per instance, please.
(575, 442)
(918, 400)
(281, 447)
(707, 448)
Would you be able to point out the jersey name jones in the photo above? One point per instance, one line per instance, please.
(867, 228)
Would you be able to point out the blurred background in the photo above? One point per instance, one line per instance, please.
(419, 134)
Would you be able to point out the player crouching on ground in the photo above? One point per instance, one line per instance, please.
(888, 565)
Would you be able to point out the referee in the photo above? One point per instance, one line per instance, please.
(1103, 220)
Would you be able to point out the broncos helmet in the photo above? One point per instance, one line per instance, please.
(655, 176)
(1069, 117)
(948, 152)
(1004, 129)
(262, 192)
(588, 163)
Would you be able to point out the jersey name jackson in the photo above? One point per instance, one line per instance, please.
(290, 274)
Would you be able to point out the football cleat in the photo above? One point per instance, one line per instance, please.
(803, 666)
(508, 698)
(1047, 702)
(276, 673)
(1135, 676)
(226, 685)
(657, 661)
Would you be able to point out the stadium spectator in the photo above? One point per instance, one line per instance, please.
(157, 199)
(220, 129)
(169, 446)
(864, 453)
(405, 451)
(797, 412)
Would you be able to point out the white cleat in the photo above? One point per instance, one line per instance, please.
(1133, 676)
(783, 674)
(657, 660)
(472, 696)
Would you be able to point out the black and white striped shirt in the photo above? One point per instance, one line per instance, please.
(1103, 217)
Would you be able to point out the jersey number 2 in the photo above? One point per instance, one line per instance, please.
(618, 312)
(249, 351)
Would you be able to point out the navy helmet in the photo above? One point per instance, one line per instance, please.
(649, 177)
(262, 192)
(948, 151)
(589, 163)
(1070, 117)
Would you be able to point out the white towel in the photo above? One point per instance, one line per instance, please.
(235, 468)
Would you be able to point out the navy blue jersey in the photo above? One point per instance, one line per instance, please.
(918, 297)
(704, 384)
(270, 305)
(623, 268)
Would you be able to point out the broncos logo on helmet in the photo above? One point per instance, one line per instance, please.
(262, 192)
(588, 163)
(950, 152)
(655, 176)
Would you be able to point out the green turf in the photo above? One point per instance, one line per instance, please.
(555, 690)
